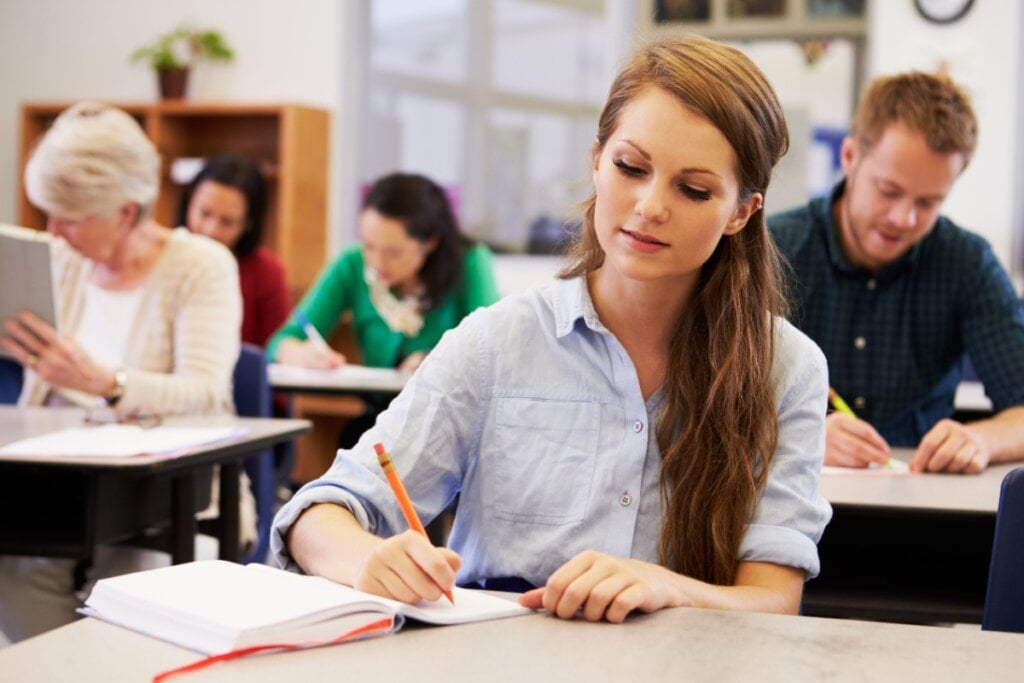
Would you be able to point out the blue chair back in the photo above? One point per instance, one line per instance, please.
(252, 399)
(1004, 599)
(11, 376)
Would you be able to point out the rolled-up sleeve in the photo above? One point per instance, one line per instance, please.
(314, 493)
(791, 514)
(429, 431)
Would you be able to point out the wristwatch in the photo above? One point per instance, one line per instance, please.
(120, 381)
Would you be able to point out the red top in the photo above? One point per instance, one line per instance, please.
(265, 298)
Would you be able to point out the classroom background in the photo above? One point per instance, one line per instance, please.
(497, 99)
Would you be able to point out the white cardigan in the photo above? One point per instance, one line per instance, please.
(184, 341)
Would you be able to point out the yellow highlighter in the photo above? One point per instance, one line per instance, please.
(839, 404)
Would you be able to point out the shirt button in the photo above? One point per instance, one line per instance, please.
(860, 342)
(625, 499)
(859, 401)
(638, 426)
(872, 284)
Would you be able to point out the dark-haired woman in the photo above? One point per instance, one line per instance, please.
(226, 202)
(412, 277)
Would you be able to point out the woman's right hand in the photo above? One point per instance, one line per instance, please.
(408, 568)
(309, 354)
(326, 540)
(57, 359)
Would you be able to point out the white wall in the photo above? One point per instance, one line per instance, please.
(74, 49)
(982, 53)
(293, 51)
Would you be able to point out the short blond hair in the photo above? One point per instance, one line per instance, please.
(93, 160)
(931, 104)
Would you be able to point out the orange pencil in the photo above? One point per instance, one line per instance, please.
(411, 518)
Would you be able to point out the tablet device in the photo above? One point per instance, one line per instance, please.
(26, 274)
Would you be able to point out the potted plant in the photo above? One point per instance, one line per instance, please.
(172, 54)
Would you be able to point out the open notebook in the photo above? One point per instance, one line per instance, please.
(216, 607)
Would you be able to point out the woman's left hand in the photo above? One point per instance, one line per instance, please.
(412, 361)
(597, 586)
(55, 358)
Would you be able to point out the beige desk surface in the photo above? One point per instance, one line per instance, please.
(945, 492)
(670, 645)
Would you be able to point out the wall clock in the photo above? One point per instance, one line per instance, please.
(943, 11)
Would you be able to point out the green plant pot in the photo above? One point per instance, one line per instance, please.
(173, 83)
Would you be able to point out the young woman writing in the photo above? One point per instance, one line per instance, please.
(647, 431)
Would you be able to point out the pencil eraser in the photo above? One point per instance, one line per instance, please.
(379, 447)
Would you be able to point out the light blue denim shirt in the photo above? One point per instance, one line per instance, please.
(531, 411)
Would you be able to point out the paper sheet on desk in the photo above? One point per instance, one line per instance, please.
(894, 468)
(358, 376)
(117, 440)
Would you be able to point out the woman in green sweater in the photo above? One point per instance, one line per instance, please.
(412, 277)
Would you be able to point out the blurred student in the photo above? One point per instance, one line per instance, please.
(412, 277)
(897, 295)
(646, 431)
(149, 322)
(226, 201)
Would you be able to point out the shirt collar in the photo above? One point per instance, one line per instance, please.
(835, 250)
(571, 302)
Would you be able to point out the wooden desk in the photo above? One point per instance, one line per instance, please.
(669, 645)
(64, 507)
(906, 548)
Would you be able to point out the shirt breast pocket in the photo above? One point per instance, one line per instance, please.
(546, 452)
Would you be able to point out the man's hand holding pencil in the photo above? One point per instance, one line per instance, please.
(850, 441)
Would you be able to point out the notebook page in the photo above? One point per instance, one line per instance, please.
(470, 605)
(894, 468)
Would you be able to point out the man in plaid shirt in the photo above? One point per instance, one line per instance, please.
(897, 295)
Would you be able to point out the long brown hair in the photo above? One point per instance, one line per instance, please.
(719, 427)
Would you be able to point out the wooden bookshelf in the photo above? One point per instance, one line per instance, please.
(291, 144)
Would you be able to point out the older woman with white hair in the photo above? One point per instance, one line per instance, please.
(149, 316)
